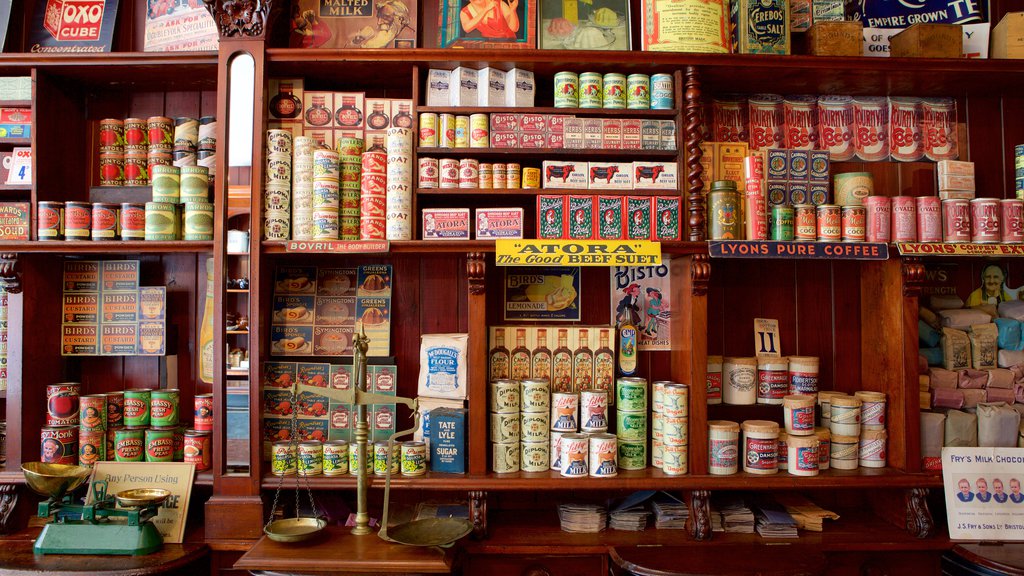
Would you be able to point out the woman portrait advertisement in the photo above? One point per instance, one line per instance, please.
(491, 19)
(993, 289)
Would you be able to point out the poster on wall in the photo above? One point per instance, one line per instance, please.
(983, 493)
(640, 295)
(353, 24)
(487, 24)
(542, 293)
(73, 26)
(179, 26)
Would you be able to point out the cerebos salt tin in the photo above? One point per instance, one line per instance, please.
(836, 127)
(956, 220)
(904, 219)
(801, 113)
(985, 215)
(58, 445)
(929, 219)
(767, 121)
(905, 120)
(878, 219)
(1012, 223)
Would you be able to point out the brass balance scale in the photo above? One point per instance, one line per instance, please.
(424, 532)
(97, 528)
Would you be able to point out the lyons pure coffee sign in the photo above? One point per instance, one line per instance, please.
(73, 26)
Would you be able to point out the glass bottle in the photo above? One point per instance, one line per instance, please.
(378, 119)
(627, 348)
(520, 356)
(541, 356)
(404, 118)
(604, 364)
(348, 116)
(285, 104)
(561, 364)
(318, 114)
(206, 330)
(583, 363)
(378, 145)
(499, 356)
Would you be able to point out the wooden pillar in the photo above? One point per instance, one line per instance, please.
(694, 179)
(476, 268)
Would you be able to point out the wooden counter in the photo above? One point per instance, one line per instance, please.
(17, 559)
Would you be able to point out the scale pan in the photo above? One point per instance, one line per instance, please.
(428, 532)
(139, 497)
(54, 480)
(294, 529)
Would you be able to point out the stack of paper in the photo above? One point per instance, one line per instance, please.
(631, 513)
(582, 517)
(736, 516)
(669, 512)
(772, 519)
(807, 514)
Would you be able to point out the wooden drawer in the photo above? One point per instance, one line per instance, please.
(508, 565)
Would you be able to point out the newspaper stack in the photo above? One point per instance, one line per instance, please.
(772, 520)
(634, 519)
(670, 514)
(587, 518)
(736, 516)
(807, 514)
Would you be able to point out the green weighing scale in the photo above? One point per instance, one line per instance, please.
(97, 528)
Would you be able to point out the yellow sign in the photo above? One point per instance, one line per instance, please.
(577, 253)
(173, 476)
(959, 249)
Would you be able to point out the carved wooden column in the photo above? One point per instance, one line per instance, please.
(699, 522)
(8, 501)
(919, 516)
(476, 274)
(10, 279)
(478, 513)
(694, 179)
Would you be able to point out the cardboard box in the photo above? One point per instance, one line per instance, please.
(287, 110)
(631, 138)
(520, 88)
(955, 168)
(81, 276)
(119, 307)
(120, 274)
(439, 87)
(350, 110)
(551, 220)
(493, 223)
(80, 340)
(556, 174)
(573, 133)
(580, 210)
(14, 220)
(639, 217)
(492, 87)
(446, 224)
(612, 133)
(81, 308)
(336, 24)
(318, 110)
(464, 87)
(610, 176)
(928, 41)
(593, 133)
(504, 121)
(536, 123)
(650, 135)
(956, 182)
(655, 175)
(836, 38)
(533, 140)
(504, 139)
(667, 218)
(610, 224)
(1008, 37)
(119, 339)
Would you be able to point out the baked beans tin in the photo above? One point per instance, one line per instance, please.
(805, 217)
(871, 124)
(904, 219)
(939, 129)
(310, 460)
(929, 219)
(129, 444)
(801, 117)
(92, 412)
(504, 396)
(335, 459)
(854, 218)
(198, 449)
(414, 458)
(535, 395)
(163, 407)
(104, 221)
(593, 410)
(985, 215)
(1013, 220)
(282, 458)
(62, 404)
(92, 447)
(782, 223)
(136, 407)
(730, 118)
(50, 221)
(132, 221)
(565, 411)
(428, 130)
(111, 136)
(877, 219)
(603, 455)
(662, 92)
(676, 400)
(638, 92)
(905, 138)
(956, 220)
(535, 456)
(505, 457)
(58, 445)
(115, 409)
(462, 131)
(767, 121)
(429, 173)
(203, 412)
(575, 452)
(469, 173)
(836, 127)
(77, 220)
(380, 458)
(567, 90)
(160, 444)
(830, 223)
(613, 92)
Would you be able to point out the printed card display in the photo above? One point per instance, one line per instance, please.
(173, 476)
(568, 25)
(983, 493)
(542, 293)
(179, 27)
(474, 24)
(73, 26)
(640, 295)
(353, 24)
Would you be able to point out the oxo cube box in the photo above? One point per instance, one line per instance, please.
(551, 217)
(580, 210)
(610, 176)
(557, 174)
(609, 211)
(448, 440)
(638, 218)
(666, 217)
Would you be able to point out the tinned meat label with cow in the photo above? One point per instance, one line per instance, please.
(610, 176)
(564, 174)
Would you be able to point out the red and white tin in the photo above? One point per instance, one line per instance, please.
(939, 129)
(854, 218)
(904, 219)
(429, 173)
(801, 116)
(956, 220)
(469, 173)
(929, 219)
(985, 215)
(878, 219)
(871, 118)
(905, 120)
(731, 119)
(448, 172)
(830, 223)
(805, 223)
(767, 121)
(835, 126)
(1013, 220)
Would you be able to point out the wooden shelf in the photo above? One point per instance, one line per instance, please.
(537, 191)
(15, 188)
(15, 141)
(231, 372)
(118, 70)
(15, 103)
(237, 332)
(611, 113)
(16, 477)
(426, 247)
(105, 246)
(237, 291)
(547, 153)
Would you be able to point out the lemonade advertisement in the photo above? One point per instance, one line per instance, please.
(542, 293)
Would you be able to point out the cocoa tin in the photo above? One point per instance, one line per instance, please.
(905, 122)
(854, 220)
(956, 220)
(801, 116)
(985, 217)
(767, 121)
(871, 125)
(805, 218)
(731, 120)
(929, 219)
(830, 223)
(939, 129)
(1012, 223)
(836, 127)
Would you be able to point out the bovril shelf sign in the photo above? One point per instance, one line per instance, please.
(577, 253)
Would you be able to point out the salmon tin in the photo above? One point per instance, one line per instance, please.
(446, 224)
(905, 123)
(59, 445)
(104, 221)
(62, 404)
(78, 220)
(203, 412)
(160, 444)
(939, 129)
(929, 219)
(638, 218)
(904, 219)
(493, 223)
(609, 218)
(830, 223)
(50, 221)
(878, 219)
(551, 220)
(129, 444)
(558, 174)
(1013, 220)
(985, 216)
(655, 176)
(836, 127)
(667, 218)
(956, 220)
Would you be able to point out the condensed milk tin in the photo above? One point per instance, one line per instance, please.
(676, 400)
(535, 456)
(505, 428)
(556, 449)
(657, 449)
(805, 220)
(760, 447)
(59, 445)
(282, 458)
(535, 427)
(429, 172)
(565, 411)
(905, 134)
(414, 458)
(535, 395)
(723, 447)
(904, 219)
(939, 129)
(929, 219)
(675, 460)
(767, 121)
(632, 455)
(985, 213)
(871, 127)
(631, 426)
(675, 431)
(658, 395)
(853, 223)
(1012, 223)
(631, 394)
(593, 410)
(836, 127)
(504, 396)
(830, 223)
(62, 404)
(878, 219)
(575, 449)
(604, 455)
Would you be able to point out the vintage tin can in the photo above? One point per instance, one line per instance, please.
(575, 452)
(428, 136)
(462, 132)
(115, 409)
(675, 430)
(723, 447)
(805, 217)
(92, 412)
(160, 444)
(632, 455)
(631, 426)
(161, 133)
(104, 221)
(676, 400)
(283, 459)
(499, 178)
(956, 220)
(535, 427)
(203, 413)
(724, 220)
(504, 397)
(469, 173)
(878, 219)
(486, 176)
(614, 91)
(603, 455)
(929, 219)
(198, 449)
(593, 410)
(136, 407)
(631, 394)
(335, 459)
(731, 119)
(448, 172)
(136, 169)
(111, 136)
(567, 90)
(163, 407)
(505, 457)
(414, 458)
(513, 175)
(565, 410)
(591, 90)
(59, 445)
(675, 461)
(77, 220)
(836, 127)
(904, 219)
(310, 461)
(830, 223)
(504, 427)
(446, 130)
(801, 117)
(871, 126)
(535, 395)
(782, 223)
(530, 179)
(658, 396)
(479, 135)
(429, 173)
(132, 221)
(939, 129)
(535, 456)
(1012, 224)
(92, 447)
(130, 444)
(638, 92)
(854, 218)
(767, 121)
(662, 92)
(380, 458)
(905, 122)
(166, 183)
(195, 184)
(198, 224)
(162, 221)
(50, 221)
(62, 404)
(985, 215)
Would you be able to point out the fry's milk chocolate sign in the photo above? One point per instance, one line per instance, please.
(73, 26)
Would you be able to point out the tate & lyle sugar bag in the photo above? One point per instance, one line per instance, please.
(443, 366)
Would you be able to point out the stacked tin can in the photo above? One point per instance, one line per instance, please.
(160, 138)
(277, 195)
(92, 429)
(350, 152)
(399, 184)
(505, 426)
(206, 153)
(613, 91)
(631, 422)
(535, 425)
(373, 196)
(1018, 164)
(58, 440)
(186, 141)
(565, 421)
(136, 148)
(302, 188)
(326, 195)
(670, 417)
(3, 338)
(111, 152)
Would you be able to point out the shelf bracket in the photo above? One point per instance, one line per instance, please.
(699, 522)
(913, 276)
(700, 274)
(694, 175)
(8, 501)
(10, 279)
(919, 517)
(476, 268)
(478, 513)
